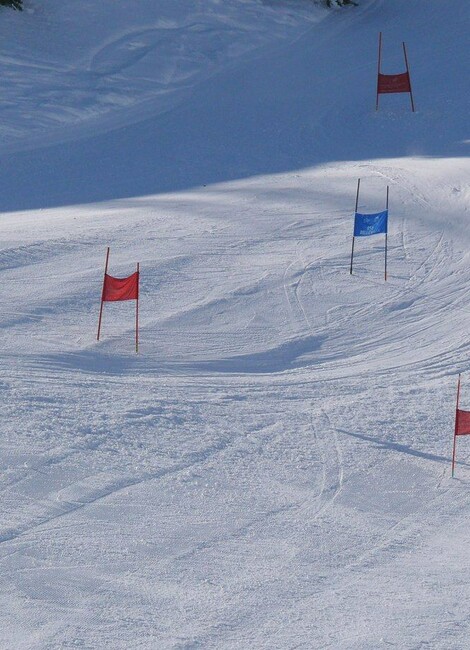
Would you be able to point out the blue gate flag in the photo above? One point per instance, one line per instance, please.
(370, 224)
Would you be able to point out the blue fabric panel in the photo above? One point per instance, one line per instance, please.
(370, 224)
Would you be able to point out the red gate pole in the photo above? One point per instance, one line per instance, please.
(409, 78)
(378, 71)
(137, 311)
(386, 237)
(102, 294)
(355, 211)
(455, 429)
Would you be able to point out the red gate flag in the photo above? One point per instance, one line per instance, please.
(120, 289)
(393, 83)
(462, 425)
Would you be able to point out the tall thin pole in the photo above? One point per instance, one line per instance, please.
(102, 293)
(357, 194)
(355, 212)
(409, 78)
(352, 255)
(137, 311)
(455, 429)
(378, 71)
(386, 237)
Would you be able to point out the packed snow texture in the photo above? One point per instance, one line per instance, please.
(272, 470)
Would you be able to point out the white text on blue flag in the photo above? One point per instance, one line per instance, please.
(370, 224)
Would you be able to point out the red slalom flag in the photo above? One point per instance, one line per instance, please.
(115, 289)
(393, 83)
(121, 288)
(462, 425)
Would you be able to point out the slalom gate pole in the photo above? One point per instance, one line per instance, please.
(455, 429)
(386, 238)
(102, 294)
(409, 78)
(352, 256)
(137, 311)
(378, 71)
(355, 211)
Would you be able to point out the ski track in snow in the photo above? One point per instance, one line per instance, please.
(273, 469)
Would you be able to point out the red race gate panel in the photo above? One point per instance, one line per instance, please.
(462, 424)
(121, 288)
(394, 83)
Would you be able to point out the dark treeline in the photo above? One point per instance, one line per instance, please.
(14, 4)
(341, 3)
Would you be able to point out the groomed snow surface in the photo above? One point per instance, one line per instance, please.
(272, 470)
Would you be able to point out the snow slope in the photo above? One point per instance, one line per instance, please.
(273, 469)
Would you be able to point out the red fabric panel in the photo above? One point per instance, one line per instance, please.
(463, 423)
(394, 83)
(121, 288)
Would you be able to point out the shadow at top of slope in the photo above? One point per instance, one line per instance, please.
(88, 361)
(309, 103)
(287, 356)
